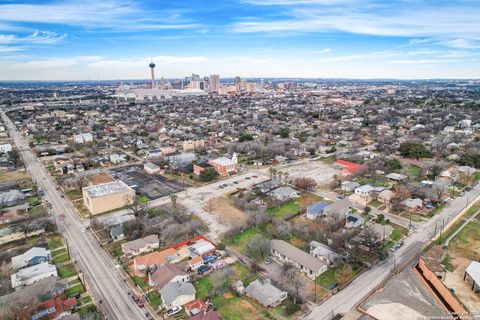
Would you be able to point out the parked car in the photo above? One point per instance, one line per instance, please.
(174, 310)
(268, 260)
(208, 259)
(203, 269)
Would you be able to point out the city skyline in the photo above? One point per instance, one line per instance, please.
(80, 40)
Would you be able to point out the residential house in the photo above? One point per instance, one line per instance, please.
(33, 256)
(265, 293)
(268, 185)
(5, 148)
(139, 246)
(116, 232)
(83, 138)
(315, 210)
(284, 193)
(338, 210)
(353, 221)
(411, 204)
(168, 273)
(11, 198)
(29, 275)
(195, 263)
(155, 260)
(195, 307)
(55, 308)
(397, 177)
(367, 191)
(177, 294)
(349, 186)
(322, 252)
(284, 252)
(348, 168)
(386, 197)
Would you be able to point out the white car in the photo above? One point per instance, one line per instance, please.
(174, 310)
(83, 230)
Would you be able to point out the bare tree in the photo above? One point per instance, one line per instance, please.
(136, 207)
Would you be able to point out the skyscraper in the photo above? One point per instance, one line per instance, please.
(214, 83)
(152, 71)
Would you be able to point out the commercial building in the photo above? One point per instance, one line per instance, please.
(32, 274)
(214, 83)
(107, 196)
(225, 166)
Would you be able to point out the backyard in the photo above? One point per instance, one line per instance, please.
(292, 207)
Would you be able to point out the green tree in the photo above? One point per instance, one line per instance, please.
(414, 149)
(471, 158)
(209, 174)
(284, 133)
(393, 165)
(245, 137)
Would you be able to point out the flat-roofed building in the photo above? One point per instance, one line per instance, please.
(107, 196)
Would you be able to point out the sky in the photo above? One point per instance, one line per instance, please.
(117, 39)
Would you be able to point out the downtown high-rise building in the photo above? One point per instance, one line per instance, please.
(214, 83)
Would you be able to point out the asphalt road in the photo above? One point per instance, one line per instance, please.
(349, 297)
(101, 274)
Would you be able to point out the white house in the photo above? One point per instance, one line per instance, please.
(6, 147)
(35, 255)
(322, 252)
(29, 275)
(83, 138)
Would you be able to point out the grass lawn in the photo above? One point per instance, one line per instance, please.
(155, 300)
(59, 252)
(85, 310)
(241, 272)
(374, 181)
(33, 199)
(375, 203)
(37, 210)
(9, 176)
(84, 300)
(473, 209)
(413, 171)
(447, 263)
(142, 199)
(235, 308)
(466, 243)
(67, 271)
(55, 242)
(327, 278)
(477, 176)
(398, 232)
(287, 209)
(203, 287)
(240, 241)
(74, 194)
(115, 249)
(77, 288)
(60, 258)
(141, 282)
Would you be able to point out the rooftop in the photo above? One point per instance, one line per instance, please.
(108, 188)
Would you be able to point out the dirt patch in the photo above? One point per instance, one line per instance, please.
(225, 211)
(247, 305)
(228, 295)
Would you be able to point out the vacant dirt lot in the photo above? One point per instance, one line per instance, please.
(225, 211)
(320, 171)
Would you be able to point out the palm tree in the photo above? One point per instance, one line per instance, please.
(173, 198)
(280, 175)
(274, 171)
(286, 175)
(271, 172)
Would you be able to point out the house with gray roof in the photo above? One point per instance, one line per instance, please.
(139, 246)
(284, 252)
(284, 193)
(338, 210)
(269, 185)
(30, 258)
(176, 294)
(265, 293)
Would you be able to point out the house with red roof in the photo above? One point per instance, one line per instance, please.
(348, 168)
(55, 307)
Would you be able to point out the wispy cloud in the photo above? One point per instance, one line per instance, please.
(370, 18)
(119, 14)
(37, 37)
(423, 61)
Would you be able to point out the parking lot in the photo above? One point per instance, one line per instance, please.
(152, 186)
